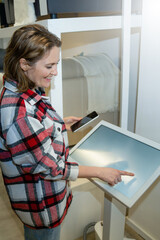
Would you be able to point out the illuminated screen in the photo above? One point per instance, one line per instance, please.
(106, 147)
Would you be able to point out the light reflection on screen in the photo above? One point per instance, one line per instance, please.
(106, 147)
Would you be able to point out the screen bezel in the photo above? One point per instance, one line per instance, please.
(129, 202)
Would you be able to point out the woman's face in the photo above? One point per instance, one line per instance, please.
(43, 70)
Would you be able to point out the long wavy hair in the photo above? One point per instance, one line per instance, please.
(30, 42)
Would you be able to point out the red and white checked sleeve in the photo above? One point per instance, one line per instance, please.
(35, 150)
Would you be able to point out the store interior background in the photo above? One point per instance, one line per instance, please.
(143, 116)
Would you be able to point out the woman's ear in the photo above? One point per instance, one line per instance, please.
(23, 64)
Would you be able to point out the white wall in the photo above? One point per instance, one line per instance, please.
(148, 114)
(145, 215)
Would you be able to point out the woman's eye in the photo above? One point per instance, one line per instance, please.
(49, 67)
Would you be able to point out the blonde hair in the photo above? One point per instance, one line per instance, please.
(30, 42)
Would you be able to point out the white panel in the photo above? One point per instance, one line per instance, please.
(126, 26)
(79, 24)
(148, 114)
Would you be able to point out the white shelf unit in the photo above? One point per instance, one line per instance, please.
(81, 24)
(60, 26)
(71, 25)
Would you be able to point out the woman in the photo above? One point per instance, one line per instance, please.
(33, 137)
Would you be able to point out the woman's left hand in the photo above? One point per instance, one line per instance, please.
(70, 121)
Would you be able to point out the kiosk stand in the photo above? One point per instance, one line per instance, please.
(113, 219)
(107, 145)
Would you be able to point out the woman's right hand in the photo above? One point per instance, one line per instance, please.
(110, 175)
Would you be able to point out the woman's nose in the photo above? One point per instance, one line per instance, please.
(54, 70)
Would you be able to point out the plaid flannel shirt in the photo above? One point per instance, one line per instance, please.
(33, 157)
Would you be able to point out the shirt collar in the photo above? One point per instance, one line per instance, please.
(30, 96)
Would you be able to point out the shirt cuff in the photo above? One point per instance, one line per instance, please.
(71, 171)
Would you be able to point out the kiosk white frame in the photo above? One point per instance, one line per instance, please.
(125, 151)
